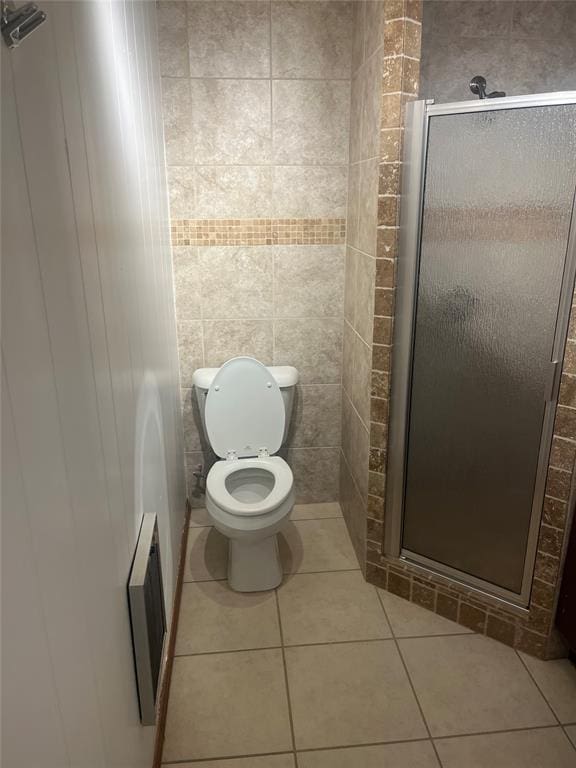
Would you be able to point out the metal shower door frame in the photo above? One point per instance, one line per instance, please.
(418, 114)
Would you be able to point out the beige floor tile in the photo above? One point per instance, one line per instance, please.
(214, 618)
(227, 704)
(571, 733)
(316, 545)
(328, 607)
(557, 681)
(539, 748)
(206, 555)
(410, 620)
(414, 754)
(316, 511)
(349, 694)
(470, 683)
(268, 761)
(199, 518)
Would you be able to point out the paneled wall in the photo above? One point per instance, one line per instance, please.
(91, 435)
(256, 111)
(520, 47)
(360, 266)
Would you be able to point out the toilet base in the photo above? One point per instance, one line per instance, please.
(254, 566)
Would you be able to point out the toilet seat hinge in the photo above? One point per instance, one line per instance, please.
(263, 453)
(231, 456)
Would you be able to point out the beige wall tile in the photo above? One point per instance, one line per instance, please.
(182, 191)
(177, 113)
(354, 511)
(229, 39)
(173, 38)
(231, 121)
(315, 474)
(371, 87)
(352, 231)
(245, 690)
(236, 282)
(316, 416)
(224, 339)
(313, 346)
(359, 34)
(311, 122)
(483, 19)
(316, 511)
(364, 295)
(361, 379)
(196, 462)
(191, 421)
(356, 97)
(190, 350)
(186, 283)
(309, 191)
(356, 446)
(347, 357)
(228, 191)
(374, 27)
(309, 281)
(368, 207)
(311, 39)
(350, 284)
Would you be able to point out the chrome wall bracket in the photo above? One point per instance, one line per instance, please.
(17, 23)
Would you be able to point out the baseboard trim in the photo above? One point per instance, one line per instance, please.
(167, 671)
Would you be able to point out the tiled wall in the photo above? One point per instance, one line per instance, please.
(533, 631)
(360, 266)
(520, 47)
(256, 110)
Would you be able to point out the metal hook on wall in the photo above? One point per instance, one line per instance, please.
(17, 23)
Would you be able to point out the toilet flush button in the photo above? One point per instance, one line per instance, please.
(217, 388)
(269, 384)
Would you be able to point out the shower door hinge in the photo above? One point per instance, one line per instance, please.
(554, 370)
(18, 23)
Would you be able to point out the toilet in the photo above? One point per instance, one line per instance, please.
(245, 409)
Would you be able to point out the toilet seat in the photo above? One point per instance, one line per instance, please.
(221, 470)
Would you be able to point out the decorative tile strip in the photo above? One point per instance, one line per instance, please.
(258, 231)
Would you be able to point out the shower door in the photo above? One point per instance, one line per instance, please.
(486, 281)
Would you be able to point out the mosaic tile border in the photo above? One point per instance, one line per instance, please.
(247, 232)
(533, 630)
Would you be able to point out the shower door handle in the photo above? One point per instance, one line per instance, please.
(554, 370)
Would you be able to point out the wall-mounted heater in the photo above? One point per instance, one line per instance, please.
(147, 616)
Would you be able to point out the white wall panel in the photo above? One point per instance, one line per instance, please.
(89, 346)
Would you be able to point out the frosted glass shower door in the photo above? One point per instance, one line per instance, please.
(498, 197)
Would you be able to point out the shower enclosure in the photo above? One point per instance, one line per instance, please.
(485, 284)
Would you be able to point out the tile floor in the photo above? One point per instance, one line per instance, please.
(330, 672)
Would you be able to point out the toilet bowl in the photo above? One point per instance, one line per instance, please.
(250, 491)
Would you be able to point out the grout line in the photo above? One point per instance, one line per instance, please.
(567, 736)
(289, 700)
(537, 686)
(410, 682)
(339, 747)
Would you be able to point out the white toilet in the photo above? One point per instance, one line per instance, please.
(245, 409)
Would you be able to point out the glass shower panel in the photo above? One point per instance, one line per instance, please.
(499, 191)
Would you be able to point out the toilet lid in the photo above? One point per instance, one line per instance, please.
(244, 410)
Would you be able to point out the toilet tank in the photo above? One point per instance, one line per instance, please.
(286, 376)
